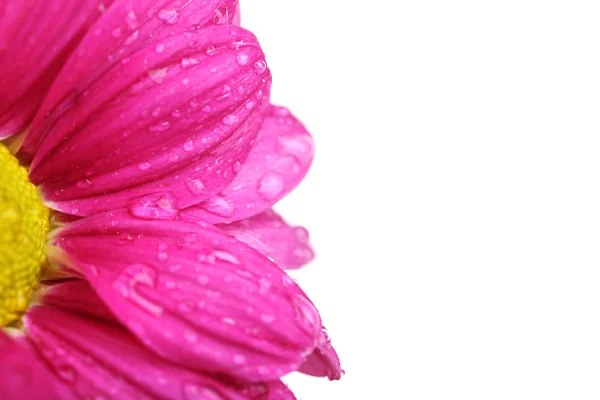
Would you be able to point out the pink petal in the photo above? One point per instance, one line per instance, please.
(97, 359)
(275, 390)
(36, 38)
(77, 295)
(277, 163)
(324, 361)
(195, 295)
(268, 233)
(165, 109)
(23, 374)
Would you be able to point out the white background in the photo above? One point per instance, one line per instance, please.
(454, 200)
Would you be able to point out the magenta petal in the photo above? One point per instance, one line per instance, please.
(167, 112)
(277, 163)
(324, 361)
(78, 296)
(275, 390)
(268, 233)
(195, 295)
(24, 375)
(36, 38)
(98, 359)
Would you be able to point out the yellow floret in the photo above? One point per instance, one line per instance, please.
(23, 228)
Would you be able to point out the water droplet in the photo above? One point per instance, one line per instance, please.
(230, 119)
(227, 257)
(133, 37)
(219, 206)
(260, 67)
(206, 108)
(211, 50)
(270, 186)
(163, 256)
(176, 113)
(228, 321)
(117, 33)
(188, 62)
(129, 281)
(171, 16)
(239, 359)
(195, 186)
(155, 206)
(84, 183)
(295, 146)
(236, 166)
(144, 166)
(162, 126)
(157, 75)
(124, 238)
(242, 59)
(188, 145)
(131, 20)
(185, 81)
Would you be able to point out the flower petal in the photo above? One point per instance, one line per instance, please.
(78, 296)
(277, 163)
(36, 37)
(172, 282)
(163, 109)
(268, 233)
(98, 359)
(324, 361)
(23, 374)
(275, 390)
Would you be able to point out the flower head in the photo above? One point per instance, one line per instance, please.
(150, 263)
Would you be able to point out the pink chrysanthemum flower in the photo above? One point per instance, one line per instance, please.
(147, 263)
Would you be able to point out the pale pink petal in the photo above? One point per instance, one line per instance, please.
(268, 233)
(98, 359)
(324, 361)
(277, 163)
(24, 375)
(157, 116)
(36, 37)
(195, 295)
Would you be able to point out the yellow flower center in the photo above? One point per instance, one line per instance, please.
(23, 228)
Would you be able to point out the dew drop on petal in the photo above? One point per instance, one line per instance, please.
(195, 186)
(124, 238)
(219, 206)
(260, 67)
(160, 48)
(242, 59)
(170, 16)
(188, 145)
(157, 75)
(144, 166)
(129, 282)
(230, 119)
(84, 183)
(270, 186)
